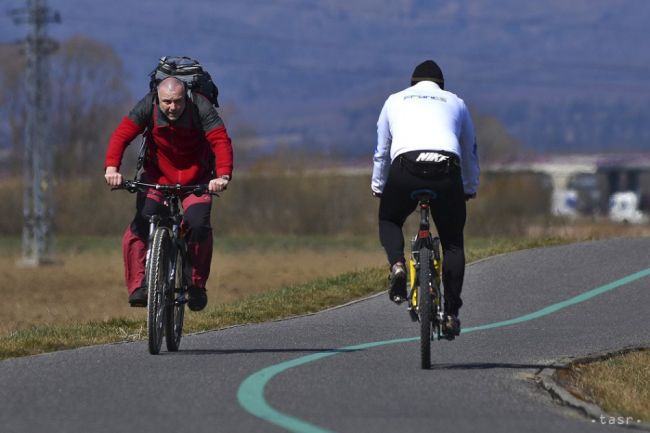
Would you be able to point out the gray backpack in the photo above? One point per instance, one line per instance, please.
(188, 71)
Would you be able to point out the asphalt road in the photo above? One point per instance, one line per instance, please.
(356, 368)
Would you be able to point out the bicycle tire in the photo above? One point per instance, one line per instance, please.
(425, 307)
(175, 310)
(157, 285)
(438, 302)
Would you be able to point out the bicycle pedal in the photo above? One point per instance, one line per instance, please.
(413, 314)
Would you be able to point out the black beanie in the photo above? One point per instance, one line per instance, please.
(428, 71)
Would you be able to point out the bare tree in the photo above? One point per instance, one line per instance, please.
(89, 96)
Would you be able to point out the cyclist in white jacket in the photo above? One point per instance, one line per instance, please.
(426, 139)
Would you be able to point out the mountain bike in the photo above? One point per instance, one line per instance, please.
(168, 270)
(425, 300)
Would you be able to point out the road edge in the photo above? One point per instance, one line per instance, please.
(380, 292)
(546, 380)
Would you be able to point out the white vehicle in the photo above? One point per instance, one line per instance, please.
(624, 208)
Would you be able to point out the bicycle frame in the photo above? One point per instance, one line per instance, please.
(172, 223)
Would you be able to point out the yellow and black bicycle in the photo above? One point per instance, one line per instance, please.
(425, 299)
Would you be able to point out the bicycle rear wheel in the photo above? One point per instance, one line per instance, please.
(437, 290)
(176, 307)
(157, 287)
(425, 306)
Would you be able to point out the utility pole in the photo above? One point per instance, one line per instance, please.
(38, 198)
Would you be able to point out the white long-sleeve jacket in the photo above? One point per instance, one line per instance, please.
(425, 117)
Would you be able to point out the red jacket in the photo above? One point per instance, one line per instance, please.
(177, 152)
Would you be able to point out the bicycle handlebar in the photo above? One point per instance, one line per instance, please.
(135, 186)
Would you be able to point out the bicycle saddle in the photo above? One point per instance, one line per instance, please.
(423, 194)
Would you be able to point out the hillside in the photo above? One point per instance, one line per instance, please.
(562, 76)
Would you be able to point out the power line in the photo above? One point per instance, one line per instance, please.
(38, 197)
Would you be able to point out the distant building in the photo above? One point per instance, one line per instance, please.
(585, 184)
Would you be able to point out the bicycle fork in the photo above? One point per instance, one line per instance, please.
(178, 265)
(154, 220)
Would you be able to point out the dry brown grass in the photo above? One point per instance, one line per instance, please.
(619, 384)
(296, 203)
(589, 229)
(289, 254)
(89, 286)
(87, 283)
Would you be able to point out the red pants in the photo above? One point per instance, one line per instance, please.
(196, 220)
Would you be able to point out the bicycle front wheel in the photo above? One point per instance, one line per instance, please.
(157, 287)
(176, 307)
(425, 306)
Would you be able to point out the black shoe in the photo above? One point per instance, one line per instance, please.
(139, 297)
(451, 326)
(397, 288)
(198, 298)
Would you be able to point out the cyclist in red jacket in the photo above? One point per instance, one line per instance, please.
(187, 144)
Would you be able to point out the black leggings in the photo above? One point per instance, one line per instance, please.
(195, 217)
(448, 211)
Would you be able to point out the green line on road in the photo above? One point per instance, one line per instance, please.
(251, 390)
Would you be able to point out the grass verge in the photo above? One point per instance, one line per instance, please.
(274, 304)
(619, 384)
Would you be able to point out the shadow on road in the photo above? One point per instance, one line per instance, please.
(491, 366)
(247, 351)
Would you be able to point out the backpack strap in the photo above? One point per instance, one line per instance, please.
(142, 156)
(208, 164)
(146, 136)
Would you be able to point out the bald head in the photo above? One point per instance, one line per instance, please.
(171, 84)
(171, 97)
